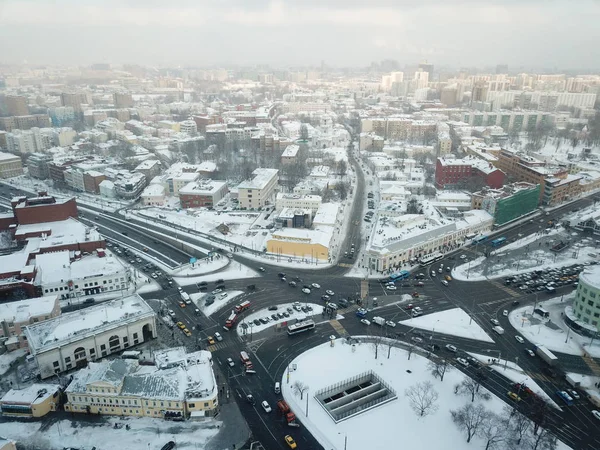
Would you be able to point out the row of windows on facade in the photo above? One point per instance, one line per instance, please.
(114, 345)
(95, 283)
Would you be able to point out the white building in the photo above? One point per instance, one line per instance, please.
(298, 201)
(398, 240)
(90, 275)
(129, 185)
(188, 126)
(107, 189)
(75, 338)
(25, 141)
(326, 215)
(153, 195)
(258, 191)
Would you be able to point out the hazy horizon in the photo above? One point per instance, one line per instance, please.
(349, 33)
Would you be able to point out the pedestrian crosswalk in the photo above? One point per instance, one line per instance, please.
(345, 265)
(506, 289)
(592, 364)
(337, 326)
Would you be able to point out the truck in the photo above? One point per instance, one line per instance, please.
(285, 410)
(549, 357)
(498, 329)
(379, 321)
(572, 381)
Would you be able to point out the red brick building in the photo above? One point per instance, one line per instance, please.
(43, 208)
(452, 172)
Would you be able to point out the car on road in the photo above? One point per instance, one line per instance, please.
(495, 322)
(390, 323)
(250, 399)
(391, 287)
(306, 290)
(416, 339)
(596, 414)
(218, 336)
(529, 352)
(266, 406)
(223, 295)
(420, 284)
(463, 362)
(519, 339)
(505, 313)
(409, 306)
(316, 286)
(325, 297)
(574, 394)
(513, 396)
(565, 396)
(365, 321)
(180, 325)
(171, 313)
(444, 282)
(187, 332)
(447, 277)
(330, 292)
(261, 269)
(433, 275)
(463, 256)
(203, 283)
(292, 284)
(219, 281)
(451, 348)
(211, 340)
(230, 362)
(290, 441)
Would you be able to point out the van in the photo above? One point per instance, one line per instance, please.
(277, 388)
(498, 329)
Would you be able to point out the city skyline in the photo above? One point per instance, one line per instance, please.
(531, 34)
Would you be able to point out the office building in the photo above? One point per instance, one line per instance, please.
(584, 315)
(453, 173)
(123, 100)
(10, 165)
(258, 191)
(16, 105)
(509, 203)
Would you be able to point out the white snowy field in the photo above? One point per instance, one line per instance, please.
(265, 312)
(200, 267)
(233, 271)
(392, 425)
(144, 433)
(453, 321)
(231, 300)
(514, 373)
(562, 339)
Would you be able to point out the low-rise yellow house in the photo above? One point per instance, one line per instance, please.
(301, 243)
(178, 386)
(36, 400)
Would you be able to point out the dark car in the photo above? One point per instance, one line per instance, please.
(281, 274)
(256, 322)
(209, 301)
(220, 281)
(516, 303)
(250, 399)
(251, 287)
(272, 308)
(274, 316)
(89, 301)
(203, 283)
(168, 446)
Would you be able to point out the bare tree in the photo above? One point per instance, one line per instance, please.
(544, 440)
(493, 430)
(438, 367)
(517, 425)
(376, 342)
(300, 388)
(470, 386)
(470, 418)
(422, 398)
(539, 413)
(411, 349)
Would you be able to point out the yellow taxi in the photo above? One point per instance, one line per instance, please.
(180, 325)
(513, 396)
(187, 332)
(290, 441)
(448, 278)
(211, 340)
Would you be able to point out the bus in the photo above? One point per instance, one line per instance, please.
(242, 306)
(231, 319)
(300, 327)
(479, 240)
(471, 236)
(498, 242)
(402, 275)
(430, 259)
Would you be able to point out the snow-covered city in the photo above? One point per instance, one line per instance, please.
(299, 253)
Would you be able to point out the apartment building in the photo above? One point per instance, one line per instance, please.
(24, 122)
(202, 193)
(452, 172)
(289, 154)
(179, 386)
(258, 191)
(10, 165)
(561, 189)
(37, 164)
(509, 203)
(298, 201)
(16, 105)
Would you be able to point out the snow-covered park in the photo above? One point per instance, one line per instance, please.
(404, 422)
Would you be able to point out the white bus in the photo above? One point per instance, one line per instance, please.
(300, 327)
(430, 259)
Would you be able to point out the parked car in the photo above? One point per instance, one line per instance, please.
(451, 348)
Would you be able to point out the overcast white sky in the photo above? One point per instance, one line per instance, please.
(530, 33)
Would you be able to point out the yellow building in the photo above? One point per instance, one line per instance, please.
(10, 165)
(301, 243)
(36, 400)
(178, 386)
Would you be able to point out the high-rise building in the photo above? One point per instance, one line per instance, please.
(123, 100)
(71, 99)
(16, 105)
(426, 67)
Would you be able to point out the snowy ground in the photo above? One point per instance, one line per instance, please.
(393, 425)
(317, 310)
(553, 333)
(231, 299)
(7, 359)
(200, 267)
(234, 271)
(453, 321)
(144, 433)
(515, 374)
(528, 254)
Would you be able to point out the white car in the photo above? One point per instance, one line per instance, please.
(444, 282)
(505, 313)
(416, 339)
(216, 291)
(306, 290)
(266, 406)
(451, 348)
(330, 292)
(230, 362)
(462, 361)
(433, 274)
(520, 340)
(495, 322)
(390, 323)
(223, 295)
(171, 313)
(530, 352)
(365, 321)
(316, 286)
(391, 287)
(463, 256)
(596, 414)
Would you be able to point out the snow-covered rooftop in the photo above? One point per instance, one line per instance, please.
(326, 214)
(261, 178)
(62, 232)
(24, 310)
(290, 151)
(202, 187)
(153, 189)
(31, 395)
(591, 276)
(321, 235)
(77, 325)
